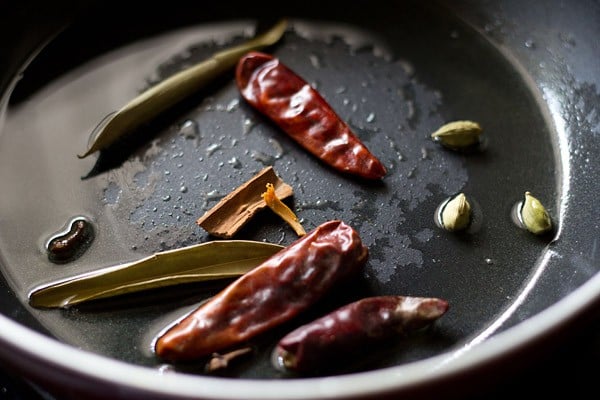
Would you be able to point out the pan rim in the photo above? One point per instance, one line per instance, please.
(68, 362)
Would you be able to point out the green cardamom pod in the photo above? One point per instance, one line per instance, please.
(534, 216)
(458, 134)
(456, 214)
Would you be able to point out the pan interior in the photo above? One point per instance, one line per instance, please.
(393, 86)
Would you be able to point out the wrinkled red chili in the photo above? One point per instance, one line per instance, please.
(351, 328)
(272, 293)
(277, 92)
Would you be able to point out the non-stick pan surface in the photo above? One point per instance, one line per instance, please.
(395, 72)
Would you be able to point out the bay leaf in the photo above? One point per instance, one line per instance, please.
(202, 262)
(174, 89)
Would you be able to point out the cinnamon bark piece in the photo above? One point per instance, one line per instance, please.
(228, 216)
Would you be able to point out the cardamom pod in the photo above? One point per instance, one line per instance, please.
(456, 214)
(534, 216)
(458, 134)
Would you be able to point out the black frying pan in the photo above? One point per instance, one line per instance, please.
(395, 71)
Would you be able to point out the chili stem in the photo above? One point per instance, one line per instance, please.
(275, 204)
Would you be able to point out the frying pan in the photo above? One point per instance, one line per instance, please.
(528, 72)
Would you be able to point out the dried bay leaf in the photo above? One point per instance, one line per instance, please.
(202, 262)
(239, 206)
(174, 89)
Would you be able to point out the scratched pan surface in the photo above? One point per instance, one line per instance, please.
(395, 73)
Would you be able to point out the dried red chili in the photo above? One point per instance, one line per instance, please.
(272, 293)
(351, 328)
(290, 102)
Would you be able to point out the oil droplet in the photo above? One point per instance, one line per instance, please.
(394, 147)
(530, 44)
(262, 158)
(277, 147)
(321, 205)
(411, 111)
(211, 196)
(235, 163)
(212, 148)
(247, 125)
(189, 129)
(515, 215)
(315, 61)
(232, 105)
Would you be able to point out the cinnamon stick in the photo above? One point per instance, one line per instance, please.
(228, 216)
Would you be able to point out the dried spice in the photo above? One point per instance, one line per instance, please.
(302, 113)
(202, 262)
(534, 216)
(456, 213)
(344, 333)
(279, 208)
(239, 206)
(276, 291)
(222, 361)
(174, 89)
(458, 135)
